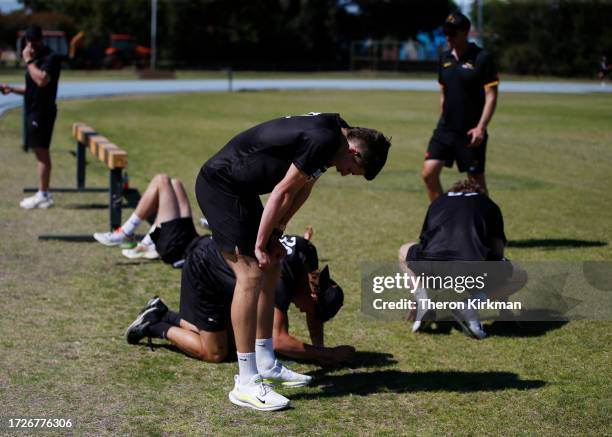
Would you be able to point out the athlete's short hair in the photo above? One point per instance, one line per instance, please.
(466, 186)
(374, 149)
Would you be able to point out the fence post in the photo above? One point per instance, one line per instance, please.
(116, 197)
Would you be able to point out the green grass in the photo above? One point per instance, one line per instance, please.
(65, 305)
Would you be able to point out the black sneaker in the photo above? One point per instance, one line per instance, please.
(157, 303)
(138, 329)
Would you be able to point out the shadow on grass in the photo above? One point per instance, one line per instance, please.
(554, 243)
(522, 329)
(395, 381)
(549, 321)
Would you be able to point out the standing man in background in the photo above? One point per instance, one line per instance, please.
(468, 80)
(43, 68)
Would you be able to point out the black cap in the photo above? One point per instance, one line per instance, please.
(33, 31)
(330, 297)
(456, 21)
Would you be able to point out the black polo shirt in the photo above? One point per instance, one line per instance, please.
(461, 227)
(464, 82)
(256, 160)
(41, 100)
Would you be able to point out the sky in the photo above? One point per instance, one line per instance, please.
(9, 5)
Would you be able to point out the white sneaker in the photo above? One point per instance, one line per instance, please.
(146, 251)
(257, 395)
(37, 201)
(284, 377)
(470, 324)
(422, 316)
(114, 238)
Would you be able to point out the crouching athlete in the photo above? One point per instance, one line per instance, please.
(200, 328)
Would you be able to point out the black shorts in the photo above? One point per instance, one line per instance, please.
(39, 129)
(202, 304)
(233, 217)
(172, 239)
(449, 146)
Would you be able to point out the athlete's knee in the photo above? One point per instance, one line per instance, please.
(161, 179)
(250, 280)
(403, 251)
(214, 356)
(176, 183)
(430, 175)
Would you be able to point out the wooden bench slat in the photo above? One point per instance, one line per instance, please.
(100, 146)
(117, 159)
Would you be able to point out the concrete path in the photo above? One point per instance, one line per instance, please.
(79, 90)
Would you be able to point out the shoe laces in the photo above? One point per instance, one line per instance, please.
(264, 388)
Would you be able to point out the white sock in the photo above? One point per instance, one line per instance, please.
(42, 194)
(131, 224)
(421, 293)
(147, 240)
(265, 354)
(247, 366)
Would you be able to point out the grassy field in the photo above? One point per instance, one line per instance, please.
(65, 305)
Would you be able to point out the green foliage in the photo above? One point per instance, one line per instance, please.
(562, 38)
(270, 34)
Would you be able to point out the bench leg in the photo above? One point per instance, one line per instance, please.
(80, 171)
(116, 197)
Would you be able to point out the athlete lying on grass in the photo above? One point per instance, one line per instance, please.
(172, 231)
(200, 328)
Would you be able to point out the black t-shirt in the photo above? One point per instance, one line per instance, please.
(39, 100)
(464, 82)
(257, 159)
(461, 226)
(217, 277)
(301, 258)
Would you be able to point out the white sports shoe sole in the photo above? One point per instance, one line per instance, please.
(288, 384)
(260, 406)
(45, 204)
(133, 254)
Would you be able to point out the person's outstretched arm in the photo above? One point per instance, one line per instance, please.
(292, 347)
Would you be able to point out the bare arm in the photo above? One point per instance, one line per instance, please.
(7, 89)
(489, 106)
(279, 203)
(315, 328)
(292, 347)
(298, 201)
(478, 132)
(40, 77)
(441, 99)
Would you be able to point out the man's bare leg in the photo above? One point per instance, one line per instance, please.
(264, 347)
(206, 346)
(480, 180)
(43, 167)
(249, 280)
(181, 198)
(431, 177)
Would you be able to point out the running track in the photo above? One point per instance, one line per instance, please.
(79, 90)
